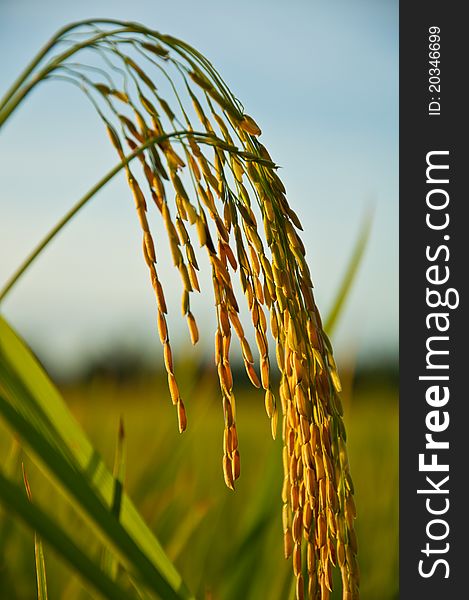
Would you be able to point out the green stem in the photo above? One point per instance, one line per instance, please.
(20, 94)
(33, 64)
(15, 94)
(44, 51)
(4, 113)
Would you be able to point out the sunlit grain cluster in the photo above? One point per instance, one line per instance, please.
(207, 174)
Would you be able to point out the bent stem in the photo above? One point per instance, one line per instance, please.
(33, 64)
(15, 97)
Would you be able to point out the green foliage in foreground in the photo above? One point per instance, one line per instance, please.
(224, 543)
(34, 409)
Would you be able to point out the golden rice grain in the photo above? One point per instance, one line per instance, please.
(162, 328)
(168, 357)
(321, 530)
(269, 402)
(228, 472)
(252, 374)
(173, 388)
(236, 464)
(297, 559)
(182, 419)
(288, 543)
(265, 372)
(297, 527)
(193, 329)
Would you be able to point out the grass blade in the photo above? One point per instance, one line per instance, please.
(350, 274)
(109, 561)
(40, 569)
(38, 551)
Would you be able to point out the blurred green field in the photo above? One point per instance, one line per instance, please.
(226, 545)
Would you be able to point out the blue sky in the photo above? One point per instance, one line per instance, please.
(322, 80)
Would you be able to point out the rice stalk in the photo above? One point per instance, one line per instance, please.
(109, 562)
(41, 577)
(203, 169)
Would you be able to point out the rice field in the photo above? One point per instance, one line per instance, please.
(227, 545)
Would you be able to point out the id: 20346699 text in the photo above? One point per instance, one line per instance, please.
(434, 71)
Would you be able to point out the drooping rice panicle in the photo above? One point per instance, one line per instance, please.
(213, 183)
